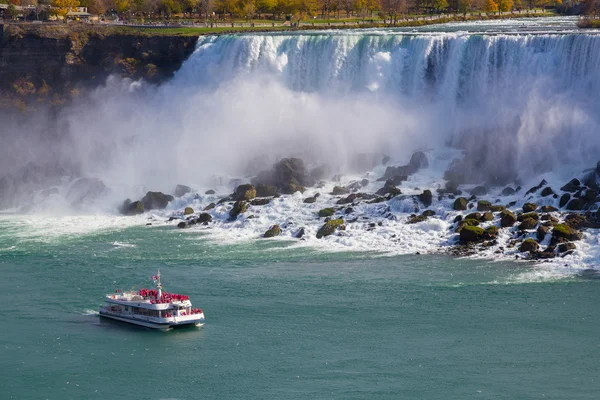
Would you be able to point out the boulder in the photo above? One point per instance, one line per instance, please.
(533, 215)
(471, 234)
(429, 213)
(548, 209)
(564, 199)
(576, 205)
(413, 219)
(487, 216)
(182, 225)
(182, 190)
(299, 233)
(484, 205)
(563, 232)
(564, 247)
(263, 190)
(508, 191)
(330, 227)
(576, 221)
(263, 201)
(339, 190)
(572, 187)
(210, 191)
(491, 232)
(273, 231)
(476, 216)
(310, 200)
(542, 231)
(156, 200)
(497, 208)
(85, 190)
(528, 223)
(209, 207)
(129, 208)
(417, 161)
(547, 192)
(590, 195)
(426, 198)
(349, 199)
(188, 211)
(244, 192)
(460, 204)
(538, 187)
(289, 175)
(204, 218)
(529, 245)
(326, 212)
(548, 217)
(389, 188)
(479, 191)
(238, 208)
(529, 207)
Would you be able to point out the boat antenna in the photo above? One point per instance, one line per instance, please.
(158, 285)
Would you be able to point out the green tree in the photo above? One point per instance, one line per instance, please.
(490, 6)
(505, 5)
(440, 4)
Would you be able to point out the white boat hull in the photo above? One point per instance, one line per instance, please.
(152, 325)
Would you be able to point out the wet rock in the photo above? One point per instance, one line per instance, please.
(263, 201)
(339, 190)
(475, 216)
(273, 231)
(590, 195)
(299, 233)
(350, 199)
(239, 207)
(564, 247)
(529, 245)
(572, 187)
(484, 205)
(538, 187)
(524, 216)
(289, 175)
(542, 231)
(225, 200)
(429, 213)
(471, 234)
(182, 225)
(204, 218)
(156, 200)
(564, 199)
(364, 182)
(188, 211)
(497, 208)
(85, 190)
(548, 209)
(529, 207)
(479, 191)
(413, 219)
(389, 189)
(458, 218)
(310, 200)
(528, 223)
(210, 191)
(209, 207)
(244, 192)
(508, 191)
(132, 208)
(576, 221)
(563, 232)
(326, 212)
(263, 190)
(487, 216)
(547, 192)
(330, 227)
(548, 217)
(426, 197)
(460, 204)
(576, 205)
(182, 190)
(452, 187)
(417, 161)
(320, 172)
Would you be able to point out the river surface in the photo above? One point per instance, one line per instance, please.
(286, 324)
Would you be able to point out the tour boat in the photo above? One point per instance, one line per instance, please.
(152, 308)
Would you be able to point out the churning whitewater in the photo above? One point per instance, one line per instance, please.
(489, 110)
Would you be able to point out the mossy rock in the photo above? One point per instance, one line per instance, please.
(188, 211)
(533, 215)
(576, 221)
(507, 219)
(529, 207)
(244, 192)
(487, 216)
(239, 207)
(529, 245)
(460, 204)
(475, 215)
(413, 219)
(497, 208)
(528, 223)
(339, 190)
(326, 212)
(484, 205)
(466, 222)
(330, 227)
(471, 234)
(429, 213)
(491, 232)
(260, 202)
(273, 231)
(565, 232)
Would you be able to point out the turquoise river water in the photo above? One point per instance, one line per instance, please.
(287, 323)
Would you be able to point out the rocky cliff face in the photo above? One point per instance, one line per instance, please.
(37, 60)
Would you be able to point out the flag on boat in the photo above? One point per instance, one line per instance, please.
(155, 278)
